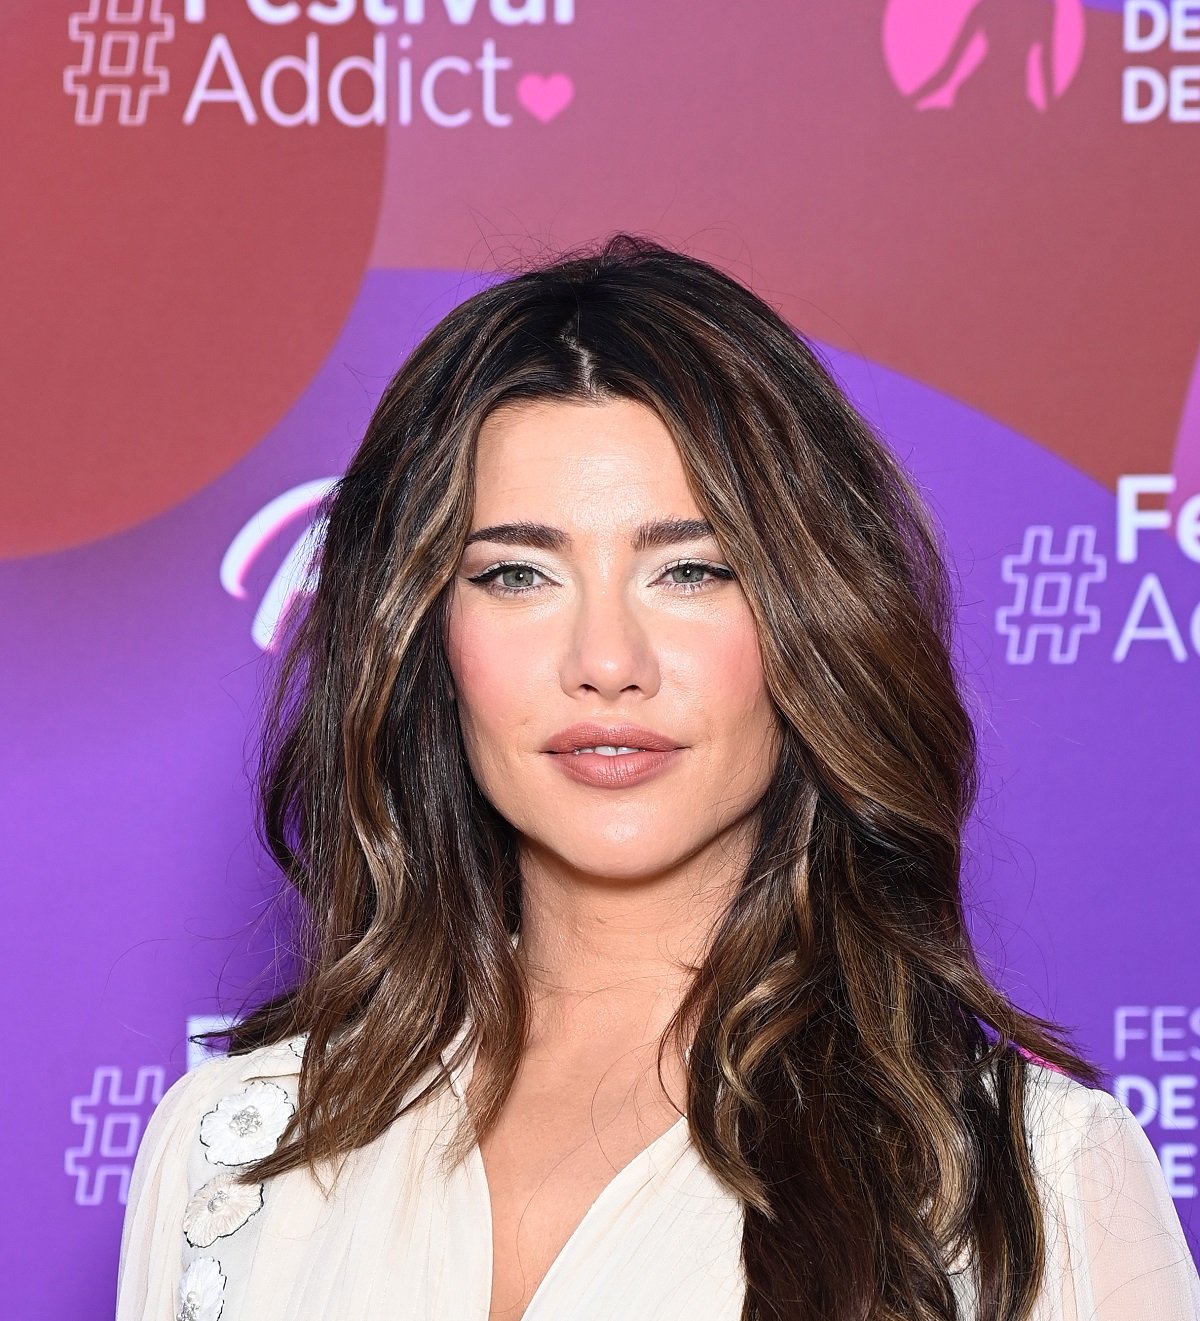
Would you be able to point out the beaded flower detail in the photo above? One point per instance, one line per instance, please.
(247, 1125)
(201, 1291)
(219, 1208)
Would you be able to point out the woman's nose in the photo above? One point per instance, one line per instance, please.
(609, 646)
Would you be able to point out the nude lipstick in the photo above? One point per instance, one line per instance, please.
(632, 754)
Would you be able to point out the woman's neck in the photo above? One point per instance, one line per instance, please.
(606, 955)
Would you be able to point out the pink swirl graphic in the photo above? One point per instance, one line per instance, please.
(935, 49)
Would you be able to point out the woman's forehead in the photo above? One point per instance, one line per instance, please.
(617, 451)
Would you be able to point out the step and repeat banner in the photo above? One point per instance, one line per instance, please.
(226, 222)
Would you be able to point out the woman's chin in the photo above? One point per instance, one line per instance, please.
(639, 860)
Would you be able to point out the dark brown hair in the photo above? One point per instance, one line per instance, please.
(853, 1076)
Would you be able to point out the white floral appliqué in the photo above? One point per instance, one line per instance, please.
(247, 1125)
(201, 1291)
(219, 1208)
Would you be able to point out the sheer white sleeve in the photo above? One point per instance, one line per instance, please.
(1116, 1248)
(151, 1259)
(150, 1254)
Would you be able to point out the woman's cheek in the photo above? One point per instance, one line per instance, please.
(739, 661)
(499, 692)
(721, 664)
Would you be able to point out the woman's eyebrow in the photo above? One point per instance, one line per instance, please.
(647, 536)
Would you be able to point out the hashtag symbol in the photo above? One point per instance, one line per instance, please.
(1051, 601)
(112, 1124)
(117, 61)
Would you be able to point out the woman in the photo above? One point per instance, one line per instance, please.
(620, 763)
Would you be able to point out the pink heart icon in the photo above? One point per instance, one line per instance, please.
(545, 97)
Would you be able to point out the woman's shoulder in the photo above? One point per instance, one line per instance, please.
(1061, 1110)
(1084, 1137)
(186, 1194)
(1116, 1247)
(268, 1074)
(279, 1060)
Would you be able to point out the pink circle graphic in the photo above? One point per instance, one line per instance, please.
(933, 48)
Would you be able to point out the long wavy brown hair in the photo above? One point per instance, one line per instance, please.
(853, 1077)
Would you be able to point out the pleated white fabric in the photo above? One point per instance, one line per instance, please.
(397, 1238)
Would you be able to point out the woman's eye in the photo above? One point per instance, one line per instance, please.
(695, 571)
(697, 575)
(488, 578)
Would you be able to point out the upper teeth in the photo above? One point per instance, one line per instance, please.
(607, 751)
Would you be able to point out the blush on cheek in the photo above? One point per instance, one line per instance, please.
(498, 691)
(734, 666)
(499, 685)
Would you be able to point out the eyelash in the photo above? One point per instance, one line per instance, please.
(485, 579)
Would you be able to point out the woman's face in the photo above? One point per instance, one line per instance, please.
(595, 628)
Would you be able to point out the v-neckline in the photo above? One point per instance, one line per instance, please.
(460, 1077)
(556, 1267)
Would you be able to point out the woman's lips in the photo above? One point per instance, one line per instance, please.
(605, 771)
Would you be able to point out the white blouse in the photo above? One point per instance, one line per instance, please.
(397, 1238)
